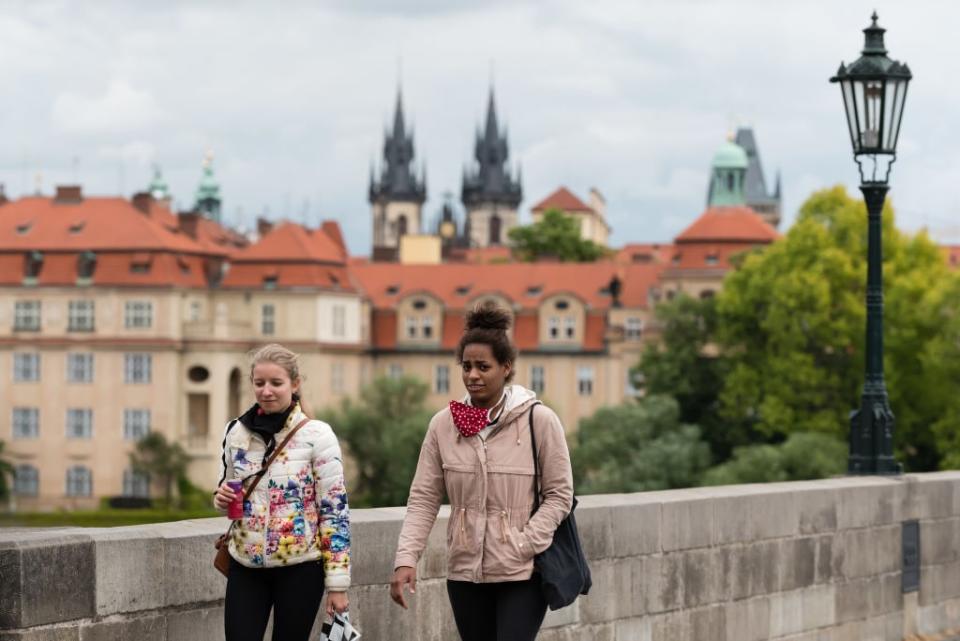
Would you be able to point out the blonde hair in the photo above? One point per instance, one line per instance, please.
(285, 358)
(278, 355)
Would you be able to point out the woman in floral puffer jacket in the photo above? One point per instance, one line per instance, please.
(294, 537)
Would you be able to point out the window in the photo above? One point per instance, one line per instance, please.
(26, 316)
(562, 304)
(633, 328)
(419, 304)
(136, 424)
(585, 380)
(136, 483)
(554, 325)
(339, 320)
(426, 325)
(138, 314)
(26, 367)
(79, 423)
(136, 368)
(336, 378)
(26, 422)
(569, 327)
(537, 379)
(80, 316)
(411, 326)
(395, 370)
(712, 259)
(26, 480)
(441, 379)
(80, 368)
(268, 320)
(195, 311)
(79, 481)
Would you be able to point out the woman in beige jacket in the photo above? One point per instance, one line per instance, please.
(479, 454)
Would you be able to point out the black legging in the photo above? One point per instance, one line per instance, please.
(294, 592)
(508, 611)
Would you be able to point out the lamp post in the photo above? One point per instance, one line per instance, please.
(874, 89)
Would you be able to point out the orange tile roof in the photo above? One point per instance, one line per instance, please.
(728, 224)
(480, 255)
(524, 284)
(292, 242)
(562, 199)
(210, 234)
(644, 252)
(92, 224)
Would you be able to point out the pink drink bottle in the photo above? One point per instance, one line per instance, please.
(235, 509)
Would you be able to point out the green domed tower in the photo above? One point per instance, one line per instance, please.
(208, 192)
(158, 187)
(727, 174)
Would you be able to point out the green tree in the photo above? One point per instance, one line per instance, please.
(6, 474)
(684, 364)
(556, 235)
(804, 455)
(636, 447)
(383, 431)
(162, 460)
(791, 326)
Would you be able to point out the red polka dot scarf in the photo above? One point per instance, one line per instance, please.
(468, 419)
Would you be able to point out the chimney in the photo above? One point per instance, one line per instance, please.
(70, 194)
(187, 222)
(142, 201)
(264, 227)
(597, 203)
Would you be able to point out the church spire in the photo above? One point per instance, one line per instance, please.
(491, 181)
(398, 180)
(208, 191)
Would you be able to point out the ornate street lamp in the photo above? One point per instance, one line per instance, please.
(874, 90)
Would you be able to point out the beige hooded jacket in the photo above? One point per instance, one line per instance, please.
(491, 536)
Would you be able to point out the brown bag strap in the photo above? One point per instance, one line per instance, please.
(263, 468)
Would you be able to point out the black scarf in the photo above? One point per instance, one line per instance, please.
(267, 425)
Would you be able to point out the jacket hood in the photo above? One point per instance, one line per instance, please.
(518, 400)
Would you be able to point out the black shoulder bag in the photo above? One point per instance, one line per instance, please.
(563, 569)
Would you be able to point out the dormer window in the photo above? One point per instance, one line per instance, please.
(23, 228)
(463, 290)
(713, 259)
(269, 282)
(426, 325)
(333, 278)
(569, 327)
(32, 264)
(411, 326)
(393, 290)
(419, 304)
(534, 290)
(77, 227)
(676, 259)
(561, 305)
(554, 327)
(140, 264)
(86, 264)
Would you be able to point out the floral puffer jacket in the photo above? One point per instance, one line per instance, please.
(298, 512)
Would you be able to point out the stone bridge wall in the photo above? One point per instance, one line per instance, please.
(810, 561)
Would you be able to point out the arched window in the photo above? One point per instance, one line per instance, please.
(26, 480)
(401, 226)
(495, 229)
(79, 481)
(233, 397)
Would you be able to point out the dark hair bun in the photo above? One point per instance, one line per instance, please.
(488, 316)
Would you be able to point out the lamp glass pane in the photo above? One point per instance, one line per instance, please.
(849, 104)
(860, 113)
(895, 102)
(873, 111)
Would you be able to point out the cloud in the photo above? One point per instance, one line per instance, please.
(120, 109)
(140, 152)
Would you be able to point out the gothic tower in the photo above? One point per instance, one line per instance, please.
(397, 197)
(490, 193)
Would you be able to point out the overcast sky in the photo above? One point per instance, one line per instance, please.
(630, 97)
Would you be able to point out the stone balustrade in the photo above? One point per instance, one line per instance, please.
(806, 561)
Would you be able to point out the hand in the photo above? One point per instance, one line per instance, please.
(402, 577)
(223, 497)
(337, 602)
